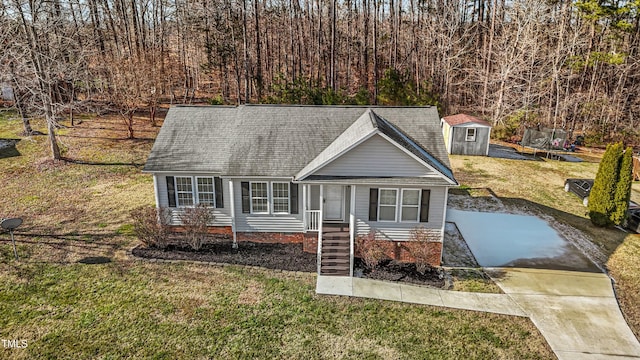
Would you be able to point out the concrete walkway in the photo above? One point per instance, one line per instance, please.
(374, 289)
(576, 312)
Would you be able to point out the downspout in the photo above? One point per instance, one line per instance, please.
(155, 188)
(232, 208)
(304, 208)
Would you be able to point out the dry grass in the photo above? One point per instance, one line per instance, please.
(473, 280)
(623, 265)
(123, 309)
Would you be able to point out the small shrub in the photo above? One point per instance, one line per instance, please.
(195, 221)
(150, 225)
(421, 249)
(371, 250)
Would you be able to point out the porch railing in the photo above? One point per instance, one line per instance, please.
(312, 220)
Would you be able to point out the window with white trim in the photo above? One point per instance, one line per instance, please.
(259, 197)
(280, 197)
(184, 191)
(410, 205)
(471, 134)
(387, 205)
(206, 191)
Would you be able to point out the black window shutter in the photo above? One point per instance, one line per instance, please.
(373, 204)
(246, 199)
(293, 198)
(171, 191)
(424, 206)
(217, 183)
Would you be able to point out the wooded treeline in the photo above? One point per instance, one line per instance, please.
(572, 64)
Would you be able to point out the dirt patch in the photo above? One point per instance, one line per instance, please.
(271, 256)
(391, 270)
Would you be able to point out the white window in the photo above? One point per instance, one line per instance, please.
(387, 205)
(259, 198)
(471, 134)
(206, 192)
(410, 205)
(280, 197)
(184, 191)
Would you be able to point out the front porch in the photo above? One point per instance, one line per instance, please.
(329, 211)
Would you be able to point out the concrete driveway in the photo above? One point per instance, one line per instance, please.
(576, 312)
(523, 241)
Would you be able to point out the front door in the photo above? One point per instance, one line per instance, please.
(334, 202)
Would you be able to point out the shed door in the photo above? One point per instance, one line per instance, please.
(333, 202)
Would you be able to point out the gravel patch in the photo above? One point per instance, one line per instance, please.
(456, 252)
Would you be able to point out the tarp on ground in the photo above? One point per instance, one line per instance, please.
(544, 139)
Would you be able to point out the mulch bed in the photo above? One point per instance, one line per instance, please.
(402, 272)
(272, 256)
(287, 257)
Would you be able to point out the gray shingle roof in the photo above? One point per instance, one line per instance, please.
(280, 140)
(356, 132)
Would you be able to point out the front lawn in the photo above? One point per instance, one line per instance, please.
(129, 309)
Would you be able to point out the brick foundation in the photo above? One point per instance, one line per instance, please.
(396, 250)
(271, 238)
(402, 250)
(310, 242)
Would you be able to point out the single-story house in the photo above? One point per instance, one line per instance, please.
(293, 174)
(466, 135)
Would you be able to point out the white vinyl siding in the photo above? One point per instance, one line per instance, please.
(375, 157)
(221, 216)
(259, 197)
(184, 191)
(400, 230)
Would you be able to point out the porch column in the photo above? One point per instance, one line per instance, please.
(232, 208)
(320, 217)
(352, 228)
(304, 207)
